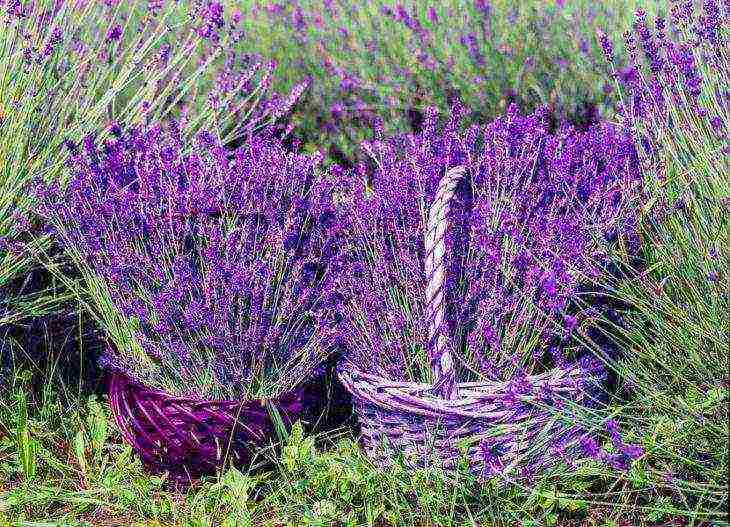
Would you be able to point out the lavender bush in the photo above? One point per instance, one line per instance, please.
(69, 68)
(212, 271)
(677, 110)
(537, 217)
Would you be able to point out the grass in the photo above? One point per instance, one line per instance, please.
(676, 363)
(62, 462)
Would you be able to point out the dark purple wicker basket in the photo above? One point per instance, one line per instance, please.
(188, 437)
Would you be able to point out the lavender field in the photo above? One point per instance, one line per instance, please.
(378, 263)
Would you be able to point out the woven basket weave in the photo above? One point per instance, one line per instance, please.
(188, 437)
(435, 425)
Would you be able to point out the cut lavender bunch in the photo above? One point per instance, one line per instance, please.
(69, 67)
(464, 288)
(535, 218)
(212, 272)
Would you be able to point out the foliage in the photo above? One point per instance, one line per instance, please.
(85, 476)
(674, 366)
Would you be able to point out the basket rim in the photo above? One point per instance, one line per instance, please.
(119, 376)
(476, 400)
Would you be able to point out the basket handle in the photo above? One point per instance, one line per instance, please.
(439, 355)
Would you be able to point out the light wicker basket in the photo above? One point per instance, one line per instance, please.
(495, 425)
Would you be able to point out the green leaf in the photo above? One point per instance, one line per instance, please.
(98, 427)
(279, 426)
(26, 446)
(80, 450)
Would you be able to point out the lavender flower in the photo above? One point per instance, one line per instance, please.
(590, 447)
(525, 231)
(54, 39)
(491, 453)
(484, 7)
(471, 43)
(669, 69)
(220, 265)
(432, 15)
(606, 45)
(114, 33)
(212, 21)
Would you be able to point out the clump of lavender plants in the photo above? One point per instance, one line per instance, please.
(70, 67)
(533, 223)
(211, 271)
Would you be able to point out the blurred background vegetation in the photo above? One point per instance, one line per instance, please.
(376, 65)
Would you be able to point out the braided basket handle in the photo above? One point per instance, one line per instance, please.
(439, 355)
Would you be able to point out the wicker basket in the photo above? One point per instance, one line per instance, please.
(188, 437)
(493, 424)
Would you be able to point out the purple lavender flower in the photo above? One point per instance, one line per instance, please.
(337, 111)
(298, 21)
(590, 447)
(114, 33)
(491, 453)
(212, 21)
(633, 452)
(651, 50)
(226, 259)
(432, 15)
(155, 6)
(54, 39)
(668, 72)
(517, 244)
(606, 45)
(484, 7)
(470, 42)
(584, 46)
(613, 429)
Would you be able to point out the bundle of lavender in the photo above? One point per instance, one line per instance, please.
(69, 67)
(532, 220)
(211, 272)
